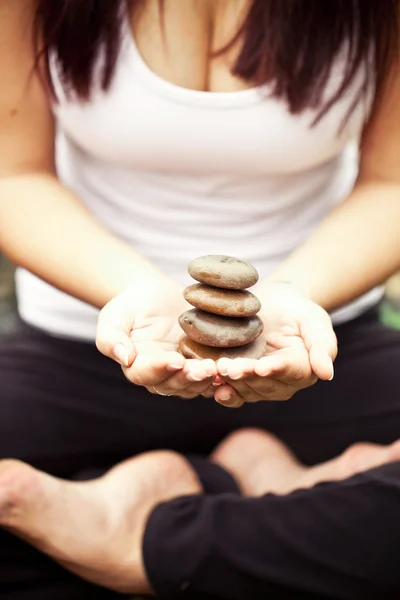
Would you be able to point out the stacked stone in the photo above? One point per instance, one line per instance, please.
(224, 322)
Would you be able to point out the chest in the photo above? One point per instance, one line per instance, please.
(173, 108)
(179, 41)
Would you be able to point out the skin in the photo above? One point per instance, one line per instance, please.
(134, 327)
(74, 523)
(302, 344)
(83, 528)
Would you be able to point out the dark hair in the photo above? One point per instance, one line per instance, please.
(289, 44)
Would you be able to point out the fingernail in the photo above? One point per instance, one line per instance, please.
(193, 378)
(329, 364)
(121, 354)
(175, 367)
(225, 397)
(236, 376)
(263, 368)
(237, 404)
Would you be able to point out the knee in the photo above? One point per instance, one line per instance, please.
(240, 439)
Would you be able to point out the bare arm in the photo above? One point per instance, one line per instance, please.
(358, 245)
(43, 227)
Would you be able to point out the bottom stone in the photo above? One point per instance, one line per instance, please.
(192, 349)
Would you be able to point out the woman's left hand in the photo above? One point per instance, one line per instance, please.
(300, 349)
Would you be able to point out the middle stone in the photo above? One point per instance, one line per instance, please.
(220, 332)
(229, 303)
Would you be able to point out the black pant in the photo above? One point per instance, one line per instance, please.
(65, 409)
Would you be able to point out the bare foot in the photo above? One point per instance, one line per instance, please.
(259, 462)
(94, 529)
(356, 459)
(262, 464)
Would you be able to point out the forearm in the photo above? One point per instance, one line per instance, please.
(354, 249)
(45, 229)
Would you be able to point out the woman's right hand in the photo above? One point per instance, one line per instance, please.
(139, 329)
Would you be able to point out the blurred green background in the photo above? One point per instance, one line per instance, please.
(390, 310)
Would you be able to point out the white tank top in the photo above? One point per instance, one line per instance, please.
(179, 173)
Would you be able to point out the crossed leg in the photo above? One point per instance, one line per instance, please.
(261, 464)
(95, 529)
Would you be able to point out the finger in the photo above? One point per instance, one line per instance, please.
(223, 366)
(235, 368)
(154, 366)
(321, 363)
(271, 365)
(196, 390)
(178, 385)
(292, 367)
(113, 335)
(321, 343)
(190, 381)
(198, 370)
(228, 397)
(209, 392)
(257, 389)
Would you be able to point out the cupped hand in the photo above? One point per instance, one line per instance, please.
(140, 330)
(300, 349)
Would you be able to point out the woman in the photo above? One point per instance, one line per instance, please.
(188, 129)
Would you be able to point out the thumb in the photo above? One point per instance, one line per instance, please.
(113, 334)
(321, 343)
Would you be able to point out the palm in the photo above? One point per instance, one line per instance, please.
(300, 346)
(160, 334)
(282, 333)
(153, 334)
(292, 321)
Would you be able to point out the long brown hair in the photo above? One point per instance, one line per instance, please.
(289, 44)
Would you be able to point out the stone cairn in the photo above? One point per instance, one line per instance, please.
(224, 322)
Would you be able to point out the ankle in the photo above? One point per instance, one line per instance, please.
(17, 484)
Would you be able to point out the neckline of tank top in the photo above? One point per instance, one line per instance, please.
(176, 93)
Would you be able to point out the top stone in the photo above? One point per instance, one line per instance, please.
(223, 272)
